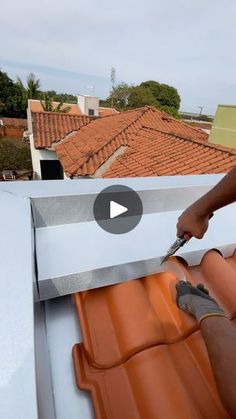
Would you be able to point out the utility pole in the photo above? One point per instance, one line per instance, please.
(113, 82)
(201, 108)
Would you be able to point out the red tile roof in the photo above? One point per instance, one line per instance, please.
(51, 127)
(35, 106)
(157, 144)
(142, 357)
(107, 111)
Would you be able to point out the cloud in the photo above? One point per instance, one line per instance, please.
(185, 43)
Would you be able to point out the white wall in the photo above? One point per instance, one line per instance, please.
(88, 102)
(37, 155)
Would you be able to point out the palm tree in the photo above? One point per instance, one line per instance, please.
(33, 86)
(31, 91)
(47, 105)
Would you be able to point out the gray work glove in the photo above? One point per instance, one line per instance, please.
(196, 301)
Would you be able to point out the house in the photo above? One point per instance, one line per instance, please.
(86, 105)
(224, 127)
(47, 128)
(139, 142)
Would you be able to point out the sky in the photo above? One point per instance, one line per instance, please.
(72, 45)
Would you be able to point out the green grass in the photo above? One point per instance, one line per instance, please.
(14, 155)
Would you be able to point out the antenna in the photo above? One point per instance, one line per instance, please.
(113, 77)
(113, 82)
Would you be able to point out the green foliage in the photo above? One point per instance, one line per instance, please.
(140, 96)
(150, 93)
(118, 97)
(171, 111)
(165, 95)
(10, 98)
(205, 118)
(60, 97)
(31, 91)
(47, 105)
(14, 155)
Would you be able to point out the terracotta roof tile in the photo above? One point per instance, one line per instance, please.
(35, 106)
(142, 357)
(156, 143)
(52, 127)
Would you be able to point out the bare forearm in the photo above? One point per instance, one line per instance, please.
(222, 194)
(220, 338)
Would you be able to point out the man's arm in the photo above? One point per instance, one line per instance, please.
(219, 336)
(195, 219)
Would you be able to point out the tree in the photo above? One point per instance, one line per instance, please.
(47, 105)
(171, 111)
(149, 93)
(33, 86)
(10, 98)
(140, 96)
(165, 95)
(31, 91)
(118, 97)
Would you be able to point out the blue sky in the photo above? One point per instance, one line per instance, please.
(71, 46)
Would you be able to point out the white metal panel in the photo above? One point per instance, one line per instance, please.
(84, 249)
(17, 359)
(41, 188)
(63, 332)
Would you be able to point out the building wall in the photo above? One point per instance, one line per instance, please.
(224, 127)
(37, 155)
(12, 127)
(88, 102)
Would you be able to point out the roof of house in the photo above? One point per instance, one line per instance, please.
(103, 111)
(156, 144)
(143, 355)
(35, 106)
(51, 127)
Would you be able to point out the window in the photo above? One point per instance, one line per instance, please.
(51, 169)
(91, 112)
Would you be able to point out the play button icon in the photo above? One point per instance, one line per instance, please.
(118, 209)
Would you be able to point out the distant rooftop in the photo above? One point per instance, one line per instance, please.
(141, 142)
(35, 106)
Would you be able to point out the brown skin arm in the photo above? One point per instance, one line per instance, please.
(220, 338)
(195, 219)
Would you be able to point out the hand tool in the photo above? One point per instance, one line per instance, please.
(179, 242)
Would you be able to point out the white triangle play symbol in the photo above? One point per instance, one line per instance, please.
(116, 209)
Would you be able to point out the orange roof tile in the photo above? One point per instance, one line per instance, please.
(107, 111)
(142, 357)
(51, 127)
(35, 106)
(150, 135)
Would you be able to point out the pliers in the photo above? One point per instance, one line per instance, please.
(179, 242)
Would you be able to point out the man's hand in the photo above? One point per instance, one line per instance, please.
(196, 301)
(194, 222)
